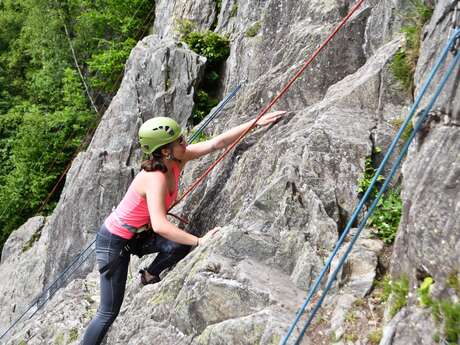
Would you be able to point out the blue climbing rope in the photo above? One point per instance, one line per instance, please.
(366, 195)
(48, 293)
(214, 113)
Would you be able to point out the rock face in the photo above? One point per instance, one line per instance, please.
(159, 80)
(428, 243)
(283, 195)
(22, 266)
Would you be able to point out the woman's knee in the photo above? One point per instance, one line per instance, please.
(106, 318)
(179, 249)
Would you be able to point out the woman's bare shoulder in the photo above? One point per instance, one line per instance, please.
(148, 179)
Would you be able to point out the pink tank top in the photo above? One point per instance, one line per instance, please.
(133, 211)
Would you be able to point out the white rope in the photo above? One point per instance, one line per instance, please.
(77, 66)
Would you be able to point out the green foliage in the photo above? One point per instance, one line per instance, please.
(402, 70)
(419, 13)
(203, 105)
(375, 336)
(8, 124)
(385, 284)
(43, 143)
(448, 313)
(453, 281)
(386, 217)
(365, 181)
(424, 292)
(407, 131)
(44, 111)
(209, 44)
(445, 312)
(396, 292)
(109, 63)
(405, 60)
(253, 29)
(399, 290)
(184, 27)
(216, 49)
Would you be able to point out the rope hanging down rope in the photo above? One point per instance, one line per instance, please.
(394, 168)
(41, 299)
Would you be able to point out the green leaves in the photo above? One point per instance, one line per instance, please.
(203, 105)
(446, 312)
(387, 214)
(395, 291)
(107, 65)
(424, 292)
(209, 44)
(44, 111)
(405, 60)
(216, 49)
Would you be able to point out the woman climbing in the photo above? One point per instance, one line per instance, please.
(145, 203)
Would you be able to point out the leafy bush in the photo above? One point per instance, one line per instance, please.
(402, 70)
(405, 60)
(109, 63)
(209, 44)
(365, 181)
(424, 292)
(387, 214)
(445, 312)
(184, 27)
(396, 292)
(44, 112)
(203, 105)
(216, 49)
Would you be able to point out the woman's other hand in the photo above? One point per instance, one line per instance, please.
(207, 237)
(270, 118)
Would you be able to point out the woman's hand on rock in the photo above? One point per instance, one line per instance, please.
(208, 236)
(270, 118)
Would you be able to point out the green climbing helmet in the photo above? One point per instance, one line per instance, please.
(157, 132)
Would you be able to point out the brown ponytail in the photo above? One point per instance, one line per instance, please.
(154, 162)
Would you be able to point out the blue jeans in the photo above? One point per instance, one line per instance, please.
(108, 247)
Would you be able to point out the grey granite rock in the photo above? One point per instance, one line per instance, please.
(282, 195)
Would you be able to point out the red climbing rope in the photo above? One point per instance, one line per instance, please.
(264, 111)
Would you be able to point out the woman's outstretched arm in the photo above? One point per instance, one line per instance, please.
(225, 139)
